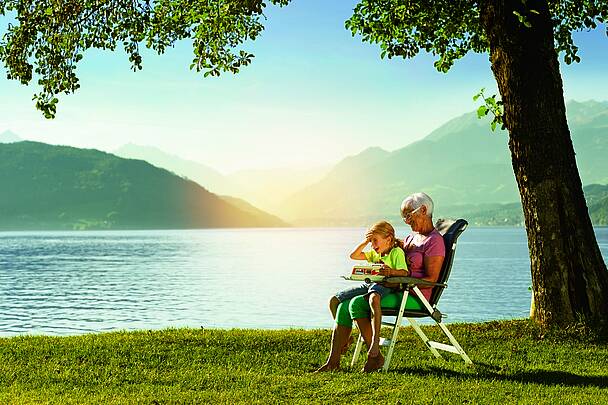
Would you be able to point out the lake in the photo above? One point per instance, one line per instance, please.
(62, 283)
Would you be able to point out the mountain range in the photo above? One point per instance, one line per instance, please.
(60, 187)
(597, 201)
(265, 189)
(463, 165)
(512, 214)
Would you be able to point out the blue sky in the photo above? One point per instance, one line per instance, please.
(313, 95)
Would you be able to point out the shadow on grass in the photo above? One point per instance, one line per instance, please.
(488, 372)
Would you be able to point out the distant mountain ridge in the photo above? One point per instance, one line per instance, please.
(462, 165)
(265, 188)
(9, 137)
(60, 187)
(512, 214)
(597, 201)
(214, 180)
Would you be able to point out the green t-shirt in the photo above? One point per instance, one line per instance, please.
(395, 259)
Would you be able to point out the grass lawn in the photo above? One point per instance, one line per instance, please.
(515, 362)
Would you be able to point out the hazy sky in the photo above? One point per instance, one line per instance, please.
(312, 95)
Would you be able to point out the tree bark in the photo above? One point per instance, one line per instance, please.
(569, 276)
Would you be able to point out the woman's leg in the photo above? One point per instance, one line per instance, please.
(360, 312)
(393, 301)
(333, 306)
(339, 337)
(376, 321)
(346, 295)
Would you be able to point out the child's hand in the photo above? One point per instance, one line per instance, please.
(385, 271)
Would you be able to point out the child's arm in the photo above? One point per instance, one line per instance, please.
(397, 257)
(358, 254)
(388, 272)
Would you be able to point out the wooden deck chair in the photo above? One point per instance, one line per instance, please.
(450, 230)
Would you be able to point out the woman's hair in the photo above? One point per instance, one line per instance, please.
(416, 201)
(386, 230)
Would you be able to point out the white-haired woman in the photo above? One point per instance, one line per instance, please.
(424, 251)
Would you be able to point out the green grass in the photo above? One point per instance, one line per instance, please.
(515, 362)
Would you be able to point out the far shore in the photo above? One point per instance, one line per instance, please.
(234, 228)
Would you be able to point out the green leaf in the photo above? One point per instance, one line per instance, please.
(482, 111)
(480, 94)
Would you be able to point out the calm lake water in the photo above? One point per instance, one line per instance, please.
(61, 283)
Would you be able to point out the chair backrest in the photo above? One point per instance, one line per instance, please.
(450, 230)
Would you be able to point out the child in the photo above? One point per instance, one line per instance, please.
(387, 249)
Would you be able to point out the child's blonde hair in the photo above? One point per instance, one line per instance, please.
(386, 230)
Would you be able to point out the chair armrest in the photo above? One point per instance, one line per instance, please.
(413, 281)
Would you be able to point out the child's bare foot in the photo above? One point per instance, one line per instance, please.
(347, 345)
(328, 367)
(373, 363)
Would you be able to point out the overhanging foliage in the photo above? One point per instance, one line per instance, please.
(46, 39)
(450, 29)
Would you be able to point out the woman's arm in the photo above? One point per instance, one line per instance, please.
(432, 264)
(397, 267)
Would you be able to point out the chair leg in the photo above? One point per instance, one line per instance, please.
(433, 346)
(396, 326)
(424, 338)
(454, 343)
(455, 348)
(393, 339)
(391, 346)
(358, 347)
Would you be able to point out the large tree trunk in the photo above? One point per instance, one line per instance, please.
(569, 276)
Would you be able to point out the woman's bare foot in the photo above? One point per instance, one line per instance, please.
(373, 363)
(328, 367)
(347, 345)
(374, 351)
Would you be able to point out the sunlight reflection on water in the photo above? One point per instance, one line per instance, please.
(78, 282)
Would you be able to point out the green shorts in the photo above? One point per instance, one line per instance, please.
(358, 307)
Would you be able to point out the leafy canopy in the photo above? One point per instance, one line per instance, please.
(47, 38)
(450, 29)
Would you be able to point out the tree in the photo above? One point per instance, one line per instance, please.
(523, 37)
(47, 38)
